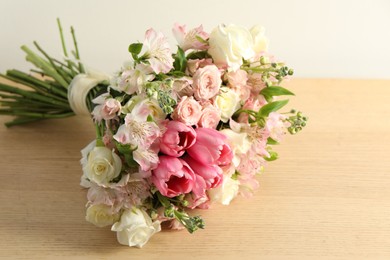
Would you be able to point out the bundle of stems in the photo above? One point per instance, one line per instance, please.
(43, 92)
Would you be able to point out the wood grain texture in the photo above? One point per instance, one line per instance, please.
(327, 197)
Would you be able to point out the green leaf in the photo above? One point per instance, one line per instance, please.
(197, 55)
(271, 107)
(180, 62)
(125, 148)
(271, 141)
(135, 48)
(275, 91)
(273, 156)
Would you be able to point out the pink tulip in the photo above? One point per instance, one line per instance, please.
(210, 147)
(173, 176)
(211, 173)
(177, 138)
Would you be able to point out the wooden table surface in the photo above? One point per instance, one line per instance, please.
(327, 197)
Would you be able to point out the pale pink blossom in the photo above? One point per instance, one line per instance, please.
(237, 81)
(252, 103)
(173, 176)
(207, 81)
(210, 116)
(194, 39)
(182, 87)
(132, 81)
(107, 107)
(256, 83)
(195, 64)
(177, 138)
(146, 158)
(211, 147)
(158, 51)
(137, 131)
(277, 126)
(187, 111)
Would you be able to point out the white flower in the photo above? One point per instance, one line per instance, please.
(102, 165)
(151, 104)
(133, 80)
(227, 191)
(229, 45)
(101, 215)
(135, 228)
(84, 161)
(239, 144)
(260, 42)
(227, 102)
(158, 52)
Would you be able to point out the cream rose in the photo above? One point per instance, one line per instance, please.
(207, 81)
(101, 215)
(239, 144)
(260, 42)
(227, 191)
(227, 102)
(102, 165)
(84, 161)
(229, 45)
(135, 228)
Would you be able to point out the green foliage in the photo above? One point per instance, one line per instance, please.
(180, 62)
(271, 107)
(135, 50)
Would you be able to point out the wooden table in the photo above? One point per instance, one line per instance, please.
(327, 197)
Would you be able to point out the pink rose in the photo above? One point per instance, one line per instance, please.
(187, 111)
(237, 81)
(194, 65)
(211, 173)
(177, 138)
(210, 117)
(210, 147)
(173, 176)
(207, 81)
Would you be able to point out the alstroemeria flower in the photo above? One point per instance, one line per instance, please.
(194, 39)
(158, 51)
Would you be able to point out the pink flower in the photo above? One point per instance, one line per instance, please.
(194, 65)
(207, 81)
(194, 39)
(158, 51)
(210, 147)
(173, 176)
(107, 107)
(182, 87)
(277, 126)
(211, 173)
(177, 138)
(187, 111)
(237, 81)
(209, 117)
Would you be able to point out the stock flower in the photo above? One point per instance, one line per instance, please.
(238, 142)
(158, 52)
(173, 176)
(135, 227)
(227, 102)
(207, 81)
(237, 81)
(177, 138)
(102, 165)
(209, 117)
(101, 215)
(229, 45)
(194, 65)
(194, 39)
(277, 125)
(210, 147)
(187, 111)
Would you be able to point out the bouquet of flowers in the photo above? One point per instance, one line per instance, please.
(174, 131)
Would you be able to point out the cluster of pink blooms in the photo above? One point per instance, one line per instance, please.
(182, 130)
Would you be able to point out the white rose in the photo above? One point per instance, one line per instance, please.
(102, 165)
(227, 102)
(225, 192)
(239, 144)
(260, 42)
(84, 161)
(229, 45)
(135, 228)
(101, 215)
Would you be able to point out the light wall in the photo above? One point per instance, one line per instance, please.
(337, 39)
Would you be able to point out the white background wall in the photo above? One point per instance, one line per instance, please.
(332, 38)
